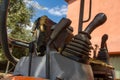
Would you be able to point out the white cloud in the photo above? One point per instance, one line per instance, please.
(58, 11)
(34, 4)
(29, 27)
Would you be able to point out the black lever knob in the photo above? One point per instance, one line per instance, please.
(103, 41)
(64, 23)
(97, 21)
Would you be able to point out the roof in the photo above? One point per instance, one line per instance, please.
(114, 53)
(70, 1)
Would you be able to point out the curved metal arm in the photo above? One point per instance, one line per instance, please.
(3, 31)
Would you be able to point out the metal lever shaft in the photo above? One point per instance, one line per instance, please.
(63, 24)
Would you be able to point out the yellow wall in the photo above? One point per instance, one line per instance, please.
(111, 27)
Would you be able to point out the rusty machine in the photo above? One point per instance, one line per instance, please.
(57, 54)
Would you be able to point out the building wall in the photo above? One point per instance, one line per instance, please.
(73, 14)
(111, 27)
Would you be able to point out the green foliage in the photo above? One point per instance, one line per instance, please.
(17, 20)
(2, 57)
(18, 13)
(19, 52)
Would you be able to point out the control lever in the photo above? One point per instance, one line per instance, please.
(63, 24)
(103, 41)
(103, 52)
(79, 47)
(97, 21)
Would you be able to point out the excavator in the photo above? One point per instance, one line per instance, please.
(57, 54)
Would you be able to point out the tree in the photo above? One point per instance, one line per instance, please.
(18, 18)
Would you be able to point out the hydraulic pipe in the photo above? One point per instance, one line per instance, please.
(81, 16)
(3, 31)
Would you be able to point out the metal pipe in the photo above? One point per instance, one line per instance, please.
(48, 60)
(20, 44)
(31, 51)
(90, 9)
(81, 16)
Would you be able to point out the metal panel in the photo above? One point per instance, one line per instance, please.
(60, 67)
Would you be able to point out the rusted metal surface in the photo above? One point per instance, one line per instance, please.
(102, 70)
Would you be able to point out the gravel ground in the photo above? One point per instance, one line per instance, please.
(4, 76)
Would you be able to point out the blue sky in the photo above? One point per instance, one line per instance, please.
(54, 9)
